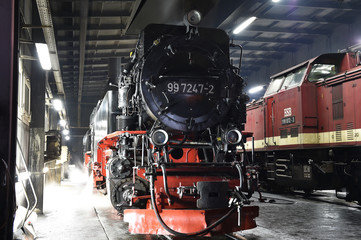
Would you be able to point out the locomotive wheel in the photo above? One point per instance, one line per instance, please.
(121, 193)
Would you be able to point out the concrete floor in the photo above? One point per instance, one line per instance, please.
(74, 211)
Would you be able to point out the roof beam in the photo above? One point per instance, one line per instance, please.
(93, 14)
(283, 49)
(72, 72)
(272, 40)
(298, 31)
(84, 7)
(336, 5)
(90, 74)
(307, 19)
(94, 56)
(100, 47)
(261, 56)
(101, 38)
(92, 27)
(103, 1)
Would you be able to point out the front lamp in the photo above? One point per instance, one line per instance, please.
(159, 137)
(233, 136)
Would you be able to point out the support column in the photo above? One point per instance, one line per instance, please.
(8, 112)
(37, 135)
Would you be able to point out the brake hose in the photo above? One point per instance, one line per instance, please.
(179, 234)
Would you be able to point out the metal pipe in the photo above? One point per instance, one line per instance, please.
(142, 150)
(252, 160)
(240, 175)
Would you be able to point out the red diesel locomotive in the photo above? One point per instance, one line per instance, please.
(307, 127)
(165, 143)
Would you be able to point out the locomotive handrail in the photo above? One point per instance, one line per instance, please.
(273, 123)
(341, 77)
(226, 164)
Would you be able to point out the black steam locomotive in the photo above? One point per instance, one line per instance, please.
(165, 143)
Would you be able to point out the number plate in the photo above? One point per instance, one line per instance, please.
(193, 88)
(288, 120)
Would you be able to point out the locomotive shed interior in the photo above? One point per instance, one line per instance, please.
(90, 41)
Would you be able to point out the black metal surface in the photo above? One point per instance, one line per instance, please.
(187, 78)
(103, 120)
(212, 195)
(8, 111)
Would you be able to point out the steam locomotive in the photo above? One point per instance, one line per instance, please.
(164, 144)
(307, 126)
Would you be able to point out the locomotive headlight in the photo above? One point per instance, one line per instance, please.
(233, 136)
(193, 17)
(159, 137)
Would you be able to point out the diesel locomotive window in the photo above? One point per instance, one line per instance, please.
(321, 71)
(294, 78)
(275, 85)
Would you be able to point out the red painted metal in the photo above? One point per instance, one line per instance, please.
(144, 221)
(181, 214)
(311, 105)
(87, 159)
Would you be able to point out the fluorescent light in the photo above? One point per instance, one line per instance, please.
(66, 132)
(255, 89)
(67, 138)
(62, 122)
(44, 57)
(45, 169)
(276, 0)
(243, 25)
(57, 104)
(24, 175)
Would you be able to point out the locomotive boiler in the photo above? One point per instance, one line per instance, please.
(164, 145)
(307, 126)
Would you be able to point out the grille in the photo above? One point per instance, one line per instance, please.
(350, 131)
(338, 133)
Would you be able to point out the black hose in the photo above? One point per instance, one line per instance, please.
(179, 234)
(165, 182)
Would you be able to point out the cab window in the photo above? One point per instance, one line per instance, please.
(294, 78)
(321, 72)
(275, 85)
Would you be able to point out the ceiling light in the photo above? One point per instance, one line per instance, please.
(24, 175)
(276, 1)
(62, 122)
(255, 89)
(44, 57)
(243, 25)
(57, 104)
(66, 132)
(67, 138)
(45, 169)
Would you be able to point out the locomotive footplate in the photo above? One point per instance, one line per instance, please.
(144, 221)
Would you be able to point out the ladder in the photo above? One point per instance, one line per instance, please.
(23, 176)
(270, 166)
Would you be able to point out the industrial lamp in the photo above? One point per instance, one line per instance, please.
(244, 25)
(256, 89)
(44, 57)
(57, 104)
